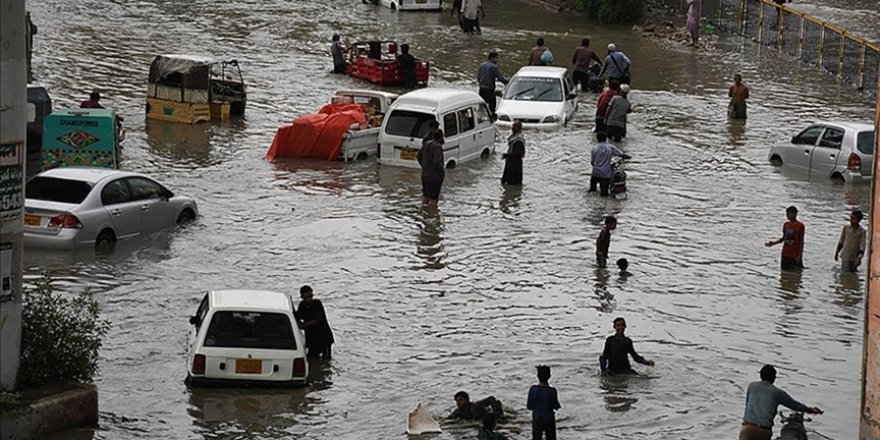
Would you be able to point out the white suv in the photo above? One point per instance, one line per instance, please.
(246, 338)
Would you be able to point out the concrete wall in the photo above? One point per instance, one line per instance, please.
(13, 129)
(870, 419)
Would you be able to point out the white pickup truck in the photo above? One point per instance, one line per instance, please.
(363, 143)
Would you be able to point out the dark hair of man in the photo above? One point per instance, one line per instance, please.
(622, 263)
(791, 208)
(95, 96)
(585, 42)
(492, 54)
(463, 395)
(609, 220)
(335, 37)
(614, 84)
(404, 48)
(543, 373)
(619, 319)
(305, 289)
(438, 136)
(858, 214)
(768, 373)
(601, 137)
(540, 41)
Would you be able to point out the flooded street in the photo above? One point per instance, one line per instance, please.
(473, 295)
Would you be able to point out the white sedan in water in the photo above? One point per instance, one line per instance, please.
(539, 97)
(72, 206)
(246, 338)
(836, 150)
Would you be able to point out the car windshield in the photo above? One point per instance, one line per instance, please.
(408, 123)
(529, 88)
(250, 330)
(865, 142)
(53, 189)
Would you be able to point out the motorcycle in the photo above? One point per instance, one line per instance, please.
(618, 180)
(793, 426)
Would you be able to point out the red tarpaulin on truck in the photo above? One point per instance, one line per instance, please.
(317, 136)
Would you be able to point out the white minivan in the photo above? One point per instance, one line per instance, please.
(245, 338)
(410, 5)
(464, 119)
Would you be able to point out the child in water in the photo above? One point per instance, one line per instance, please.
(623, 264)
(543, 402)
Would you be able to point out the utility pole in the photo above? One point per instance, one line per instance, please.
(870, 415)
(13, 129)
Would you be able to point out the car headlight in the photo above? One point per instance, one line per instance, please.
(552, 119)
(504, 118)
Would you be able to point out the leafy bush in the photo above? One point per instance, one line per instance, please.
(60, 335)
(8, 402)
(613, 11)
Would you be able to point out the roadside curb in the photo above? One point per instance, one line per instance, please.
(51, 410)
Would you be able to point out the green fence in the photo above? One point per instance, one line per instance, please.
(814, 41)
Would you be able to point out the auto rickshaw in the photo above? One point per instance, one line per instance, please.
(81, 137)
(190, 89)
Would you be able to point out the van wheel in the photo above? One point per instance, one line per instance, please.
(186, 216)
(450, 165)
(361, 156)
(485, 154)
(776, 160)
(106, 240)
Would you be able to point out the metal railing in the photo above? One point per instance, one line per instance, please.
(812, 40)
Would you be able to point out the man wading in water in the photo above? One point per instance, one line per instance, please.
(513, 159)
(433, 164)
(618, 348)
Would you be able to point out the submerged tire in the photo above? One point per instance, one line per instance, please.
(186, 216)
(106, 241)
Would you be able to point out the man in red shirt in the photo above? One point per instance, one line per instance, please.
(92, 102)
(793, 241)
(602, 106)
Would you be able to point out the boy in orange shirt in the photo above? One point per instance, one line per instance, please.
(793, 241)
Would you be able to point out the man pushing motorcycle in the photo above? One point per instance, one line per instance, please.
(762, 399)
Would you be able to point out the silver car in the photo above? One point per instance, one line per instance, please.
(71, 206)
(840, 150)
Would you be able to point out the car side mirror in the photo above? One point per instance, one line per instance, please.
(572, 95)
(194, 320)
(794, 139)
(498, 93)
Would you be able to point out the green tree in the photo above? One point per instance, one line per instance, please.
(60, 335)
(613, 11)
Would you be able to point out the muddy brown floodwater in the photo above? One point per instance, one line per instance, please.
(496, 281)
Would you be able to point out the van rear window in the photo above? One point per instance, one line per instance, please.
(865, 142)
(408, 123)
(250, 330)
(53, 189)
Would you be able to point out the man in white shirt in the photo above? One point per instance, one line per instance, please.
(471, 10)
(851, 246)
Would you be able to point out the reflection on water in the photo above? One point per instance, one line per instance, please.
(615, 390)
(430, 246)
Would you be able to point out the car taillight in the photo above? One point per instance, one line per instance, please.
(854, 162)
(65, 221)
(198, 364)
(299, 367)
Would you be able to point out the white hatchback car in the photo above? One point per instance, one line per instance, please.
(839, 150)
(71, 206)
(539, 97)
(245, 338)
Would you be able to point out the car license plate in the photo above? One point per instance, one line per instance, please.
(421, 1)
(32, 220)
(248, 366)
(408, 154)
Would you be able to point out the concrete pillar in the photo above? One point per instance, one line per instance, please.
(870, 416)
(13, 129)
